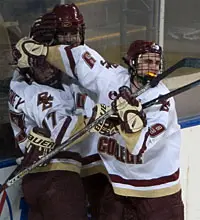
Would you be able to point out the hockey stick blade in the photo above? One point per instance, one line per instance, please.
(175, 92)
(13, 174)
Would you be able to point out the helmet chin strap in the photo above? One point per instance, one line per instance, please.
(141, 79)
(138, 80)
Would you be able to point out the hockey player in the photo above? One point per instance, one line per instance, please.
(99, 190)
(43, 115)
(51, 29)
(153, 185)
(41, 118)
(148, 172)
(144, 61)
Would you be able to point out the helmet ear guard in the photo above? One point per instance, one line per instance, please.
(128, 61)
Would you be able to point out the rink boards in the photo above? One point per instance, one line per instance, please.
(13, 207)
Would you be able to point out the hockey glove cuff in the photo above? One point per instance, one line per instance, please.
(107, 126)
(39, 144)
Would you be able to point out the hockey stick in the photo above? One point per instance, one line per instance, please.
(186, 62)
(175, 92)
(157, 100)
(12, 175)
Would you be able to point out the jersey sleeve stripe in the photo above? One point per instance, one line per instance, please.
(147, 182)
(68, 155)
(63, 130)
(71, 60)
(91, 159)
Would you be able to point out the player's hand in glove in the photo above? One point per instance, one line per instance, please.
(107, 126)
(44, 29)
(130, 111)
(38, 145)
(28, 53)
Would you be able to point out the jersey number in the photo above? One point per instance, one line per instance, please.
(108, 65)
(89, 60)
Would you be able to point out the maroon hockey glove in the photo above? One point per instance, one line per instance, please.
(39, 145)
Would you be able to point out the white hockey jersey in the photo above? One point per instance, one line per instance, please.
(91, 160)
(99, 78)
(43, 106)
(90, 69)
(151, 169)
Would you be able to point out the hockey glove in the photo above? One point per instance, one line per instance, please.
(44, 28)
(130, 111)
(105, 127)
(28, 53)
(38, 145)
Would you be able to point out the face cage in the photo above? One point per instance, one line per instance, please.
(72, 38)
(145, 78)
(54, 79)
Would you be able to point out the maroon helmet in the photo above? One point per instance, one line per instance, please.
(136, 49)
(69, 17)
(139, 47)
(43, 29)
(63, 25)
(70, 24)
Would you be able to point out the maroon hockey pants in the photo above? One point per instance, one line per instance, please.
(104, 204)
(55, 195)
(163, 208)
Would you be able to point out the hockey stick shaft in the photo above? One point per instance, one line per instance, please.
(69, 141)
(87, 128)
(175, 92)
(12, 175)
(186, 62)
